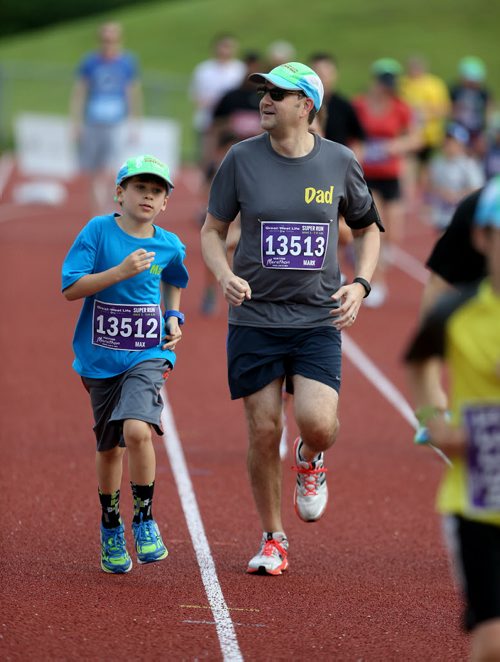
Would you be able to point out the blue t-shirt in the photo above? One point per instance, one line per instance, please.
(108, 81)
(121, 325)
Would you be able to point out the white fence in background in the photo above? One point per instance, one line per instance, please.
(44, 144)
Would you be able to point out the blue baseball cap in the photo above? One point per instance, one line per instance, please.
(488, 206)
(294, 76)
(144, 165)
(458, 132)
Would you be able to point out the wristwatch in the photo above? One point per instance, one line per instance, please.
(365, 284)
(174, 313)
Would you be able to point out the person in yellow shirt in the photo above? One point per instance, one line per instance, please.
(428, 96)
(463, 329)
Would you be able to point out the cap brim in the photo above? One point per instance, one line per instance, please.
(280, 82)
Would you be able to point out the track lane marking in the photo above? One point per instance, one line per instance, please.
(377, 378)
(222, 619)
(409, 264)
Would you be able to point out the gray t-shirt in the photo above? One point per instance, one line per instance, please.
(289, 210)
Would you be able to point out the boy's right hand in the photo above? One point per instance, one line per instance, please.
(137, 262)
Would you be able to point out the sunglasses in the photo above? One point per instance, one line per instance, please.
(276, 93)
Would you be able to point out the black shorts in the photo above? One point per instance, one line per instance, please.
(476, 551)
(388, 189)
(134, 394)
(256, 357)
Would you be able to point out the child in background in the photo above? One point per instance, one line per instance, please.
(122, 266)
(452, 175)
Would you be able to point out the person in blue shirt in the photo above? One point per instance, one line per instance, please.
(125, 267)
(106, 98)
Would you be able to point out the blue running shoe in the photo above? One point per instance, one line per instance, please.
(148, 543)
(114, 555)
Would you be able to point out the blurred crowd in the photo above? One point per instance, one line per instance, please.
(423, 143)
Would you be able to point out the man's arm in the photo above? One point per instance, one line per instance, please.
(366, 251)
(213, 246)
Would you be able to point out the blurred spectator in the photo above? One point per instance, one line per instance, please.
(225, 139)
(453, 174)
(492, 151)
(429, 99)
(471, 101)
(280, 52)
(210, 80)
(238, 111)
(235, 117)
(341, 122)
(390, 136)
(337, 121)
(105, 95)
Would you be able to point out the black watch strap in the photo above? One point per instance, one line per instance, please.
(364, 283)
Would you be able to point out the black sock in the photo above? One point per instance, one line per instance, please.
(110, 504)
(143, 502)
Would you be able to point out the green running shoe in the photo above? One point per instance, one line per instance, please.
(114, 555)
(148, 543)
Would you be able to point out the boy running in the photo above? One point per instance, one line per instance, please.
(123, 266)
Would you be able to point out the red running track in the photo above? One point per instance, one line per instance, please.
(369, 582)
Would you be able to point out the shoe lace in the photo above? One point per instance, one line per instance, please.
(146, 533)
(115, 544)
(271, 547)
(310, 479)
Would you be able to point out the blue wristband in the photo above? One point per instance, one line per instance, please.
(174, 313)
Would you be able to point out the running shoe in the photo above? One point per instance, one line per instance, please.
(114, 555)
(272, 557)
(148, 543)
(311, 492)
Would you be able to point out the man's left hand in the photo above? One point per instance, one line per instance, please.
(350, 298)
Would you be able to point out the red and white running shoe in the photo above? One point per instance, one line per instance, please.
(272, 557)
(311, 492)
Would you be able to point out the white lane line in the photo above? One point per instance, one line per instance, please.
(224, 625)
(407, 263)
(377, 378)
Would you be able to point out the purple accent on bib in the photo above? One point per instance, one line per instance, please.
(293, 245)
(482, 424)
(127, 327)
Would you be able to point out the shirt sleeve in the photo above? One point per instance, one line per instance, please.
(80, 260)
(175, 273)
(357, 200)
(223, 202)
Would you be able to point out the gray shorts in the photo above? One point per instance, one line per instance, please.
(134, 394)
(99, 147)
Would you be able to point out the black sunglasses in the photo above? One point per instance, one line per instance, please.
(276, 93)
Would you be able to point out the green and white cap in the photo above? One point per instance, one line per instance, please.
(294, 76)
(144, 165)
(472, 68)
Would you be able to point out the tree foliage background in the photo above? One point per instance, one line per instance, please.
(18, 16)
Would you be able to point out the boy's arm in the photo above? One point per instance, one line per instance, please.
(171, 296)
(135, 263)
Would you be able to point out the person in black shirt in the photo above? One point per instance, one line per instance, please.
(453, 263)
(342, 124)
